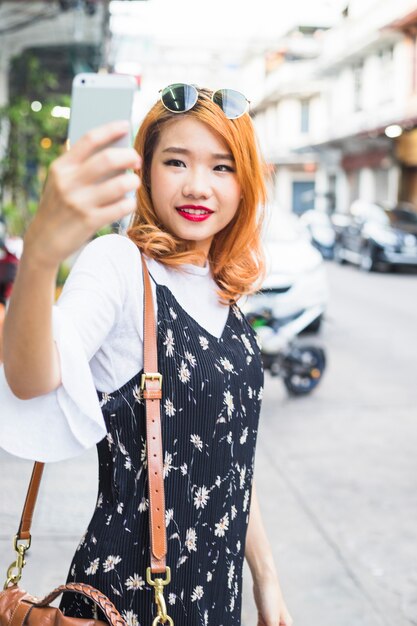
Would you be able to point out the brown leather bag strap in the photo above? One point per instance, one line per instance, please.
(29, 506)
(151, 383)
(152, 393)
(113, 616)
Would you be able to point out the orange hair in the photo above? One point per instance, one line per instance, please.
(236, 255)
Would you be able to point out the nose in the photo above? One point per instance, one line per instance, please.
(197, 184)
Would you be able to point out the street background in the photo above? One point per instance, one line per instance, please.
(336, 473)
(333, 91)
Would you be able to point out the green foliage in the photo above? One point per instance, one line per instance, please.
(24, 167)
(64, 270)
(17, 220)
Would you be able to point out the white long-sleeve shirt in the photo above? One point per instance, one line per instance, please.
(98, 329)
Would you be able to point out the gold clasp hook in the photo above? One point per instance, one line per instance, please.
(159, 584)
(20, 549)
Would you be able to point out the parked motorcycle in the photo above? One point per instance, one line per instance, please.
(300, 366)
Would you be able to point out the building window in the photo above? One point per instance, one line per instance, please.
(357, 86)
(305, 116)
(303, 196)
(386, 61)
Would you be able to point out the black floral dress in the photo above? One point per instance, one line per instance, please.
(212, 391)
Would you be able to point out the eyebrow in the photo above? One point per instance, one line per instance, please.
(217, 155)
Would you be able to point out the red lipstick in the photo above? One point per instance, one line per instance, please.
(194, 212)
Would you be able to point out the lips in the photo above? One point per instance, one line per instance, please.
(194, 213)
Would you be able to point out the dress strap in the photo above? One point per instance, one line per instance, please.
(152, 278)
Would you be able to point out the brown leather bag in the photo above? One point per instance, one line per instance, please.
(18, 608)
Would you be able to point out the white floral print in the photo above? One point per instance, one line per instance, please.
(246, 500)
(169, 342)
(190, 358)
(242, 476)
(143, 455)
(184, 373)
(167, 464)
(196, 440)
(130, 618)
(138, 393)
(191, 540)
(93, 567)
(135, 582)
(230, 574)
(228, 401)
(247, 344)
(227, 365)
(123, 449)
(222, 526)
(197, 594)
(105, 399)
(143, 505)
(111, 562)
(171, 598)
(204, 343)
(170, 410)
(201, 497)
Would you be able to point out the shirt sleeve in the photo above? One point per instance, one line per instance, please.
(67, 421)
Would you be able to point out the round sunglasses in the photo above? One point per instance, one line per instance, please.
(180, 97)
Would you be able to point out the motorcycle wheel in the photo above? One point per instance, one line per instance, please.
(304, 370)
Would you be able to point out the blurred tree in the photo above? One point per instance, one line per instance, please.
(34, 139)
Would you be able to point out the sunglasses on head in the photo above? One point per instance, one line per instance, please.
(180, 97)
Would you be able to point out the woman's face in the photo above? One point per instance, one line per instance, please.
(194, 187)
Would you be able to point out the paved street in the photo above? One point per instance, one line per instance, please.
(336, 472)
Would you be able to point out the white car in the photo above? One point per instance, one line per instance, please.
(296, 275)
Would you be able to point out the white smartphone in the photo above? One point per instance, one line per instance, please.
(99, 99)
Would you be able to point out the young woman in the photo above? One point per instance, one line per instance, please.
(196, 220)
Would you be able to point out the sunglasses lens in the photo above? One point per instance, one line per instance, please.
(179, 97)
(233, 103)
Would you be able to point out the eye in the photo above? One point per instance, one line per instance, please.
(224, 168)
(175, 163)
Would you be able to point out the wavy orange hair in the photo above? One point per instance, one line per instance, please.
(236, 255)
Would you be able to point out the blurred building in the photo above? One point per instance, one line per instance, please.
(348, 114)
(290, 115)
(65, 35)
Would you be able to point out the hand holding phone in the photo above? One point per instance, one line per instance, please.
(87, 186)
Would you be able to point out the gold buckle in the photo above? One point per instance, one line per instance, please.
(150, 376)
(19, 564)
(159, 584)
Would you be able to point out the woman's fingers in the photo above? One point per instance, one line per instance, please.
(107, 162)
(113, 212)
(96, 139)
(111, 190)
